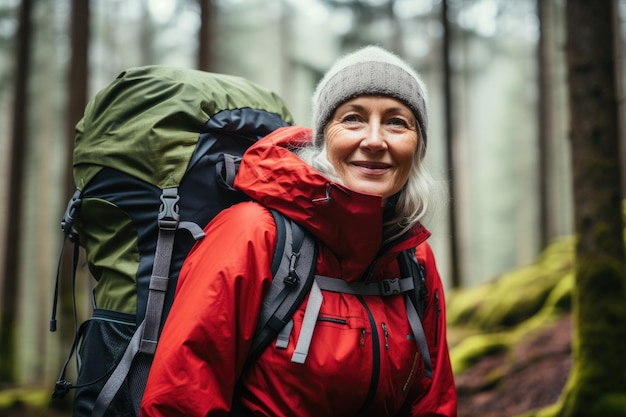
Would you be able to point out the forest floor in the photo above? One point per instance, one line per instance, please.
(530, 376)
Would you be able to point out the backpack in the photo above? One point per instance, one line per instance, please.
(155, 157)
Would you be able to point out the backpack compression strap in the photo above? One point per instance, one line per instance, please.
(168, 224)
(147, 334)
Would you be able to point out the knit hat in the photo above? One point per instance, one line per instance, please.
(370, 70)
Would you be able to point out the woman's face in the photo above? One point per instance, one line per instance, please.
(371, 142)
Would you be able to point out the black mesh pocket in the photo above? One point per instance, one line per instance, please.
(105, 337)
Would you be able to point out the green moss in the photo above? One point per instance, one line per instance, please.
(463, 304)
(475, 347)
(517, 295)
(550, 411)
(34, 398)
(609, 405)
(491, 318)
(560, 298)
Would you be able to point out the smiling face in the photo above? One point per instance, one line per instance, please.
(371, 141)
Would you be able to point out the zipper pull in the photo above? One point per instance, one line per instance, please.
(386, 333)
(362, 337)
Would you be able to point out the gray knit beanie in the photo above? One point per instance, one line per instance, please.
(370, 70)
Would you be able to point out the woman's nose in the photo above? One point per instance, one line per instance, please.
(374, 139)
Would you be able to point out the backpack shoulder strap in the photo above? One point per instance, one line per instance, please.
(293, 268)
(415, 302)
(410, 267)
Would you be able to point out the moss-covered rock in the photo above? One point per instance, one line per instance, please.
(477, 346)
(493, 317)
(517, 295)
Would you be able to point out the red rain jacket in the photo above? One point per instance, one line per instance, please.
(362, 350)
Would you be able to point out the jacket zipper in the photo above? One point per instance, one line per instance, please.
(371, 392)
(332, 320)
(386, 334)
(410, 377)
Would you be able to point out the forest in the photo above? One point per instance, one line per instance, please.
(527, 134)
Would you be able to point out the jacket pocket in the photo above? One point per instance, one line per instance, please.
(105, 337)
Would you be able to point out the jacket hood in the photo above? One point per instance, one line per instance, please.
(349, 223)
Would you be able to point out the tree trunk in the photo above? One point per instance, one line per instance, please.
(13, 241)
(597, 385)
(77, 91)
(205, 38)
(455, 273)
(544, 117)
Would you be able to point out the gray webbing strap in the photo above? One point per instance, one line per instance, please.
(308, 324)
(230, 169)
(282, 340)
(168, 224)
(118, 376)
(292, 268)
(382, 288)
(277, 294)
(418, 334)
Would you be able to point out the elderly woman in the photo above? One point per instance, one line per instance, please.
(358, 185)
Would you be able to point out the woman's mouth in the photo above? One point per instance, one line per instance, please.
(375, 168)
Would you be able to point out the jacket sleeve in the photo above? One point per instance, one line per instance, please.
(441, 398)
(209, 329)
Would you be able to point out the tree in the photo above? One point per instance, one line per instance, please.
(455, 273)
(205, 38)
(544, 116)
(12, 238)
(597, 383)
(77, 94)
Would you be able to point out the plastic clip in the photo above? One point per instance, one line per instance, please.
(168, 212)
(67, 222)
(292, 277)
(390, 287)
(61, 388)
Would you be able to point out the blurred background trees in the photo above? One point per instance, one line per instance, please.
(499, 133)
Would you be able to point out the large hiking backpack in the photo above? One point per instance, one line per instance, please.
(155, 158)
(154, 161)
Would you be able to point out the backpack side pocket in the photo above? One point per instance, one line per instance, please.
(105, 336)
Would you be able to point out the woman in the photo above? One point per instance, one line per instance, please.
(358, 185)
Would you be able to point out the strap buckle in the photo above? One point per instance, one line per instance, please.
(67, 222)
(389, 287)
(168, 212)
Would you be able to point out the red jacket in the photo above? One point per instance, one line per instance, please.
(209, 330)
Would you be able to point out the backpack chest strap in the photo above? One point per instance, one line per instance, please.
(384, 288)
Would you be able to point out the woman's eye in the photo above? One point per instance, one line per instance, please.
(398, 122)
(350, 118)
